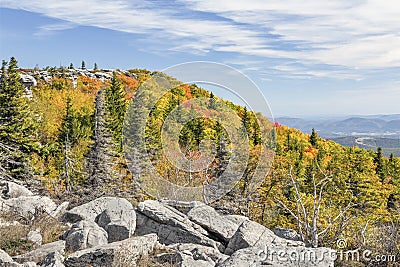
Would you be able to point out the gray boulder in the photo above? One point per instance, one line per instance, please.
(287, 234)
(54, 259)
(60, 210)
(13, 190)
(35, 237)
(121, 253)
(197, 253)
(251, 234)
(119, 224)
(219, 225)
(183, 259)
(171, 225)
(41, 252)
(89, 211)
(84, 234)
(4, 257)
(278, 256)
(182, 206)
(29, 206)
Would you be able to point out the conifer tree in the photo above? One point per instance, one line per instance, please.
(313, 137)
(83, 65)
(17, 122)
(116, 108)
(246, 120)
(211, 103)
(380, 168)
(95, 66)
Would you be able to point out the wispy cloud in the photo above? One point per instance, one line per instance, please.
(350, 38)
(52, 28)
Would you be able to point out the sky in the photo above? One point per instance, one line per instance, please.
(309, 58)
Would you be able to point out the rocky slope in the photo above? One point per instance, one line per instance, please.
(109, 231)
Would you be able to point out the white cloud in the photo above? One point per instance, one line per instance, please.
(352, 35)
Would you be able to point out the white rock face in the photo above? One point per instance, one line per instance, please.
(119, 224)
(41, 252)
(213, 222)
(29, 206)
(122, 253)
(13, 190)
(171, 225)
(92, 209)
(83, 235)
(35, 237)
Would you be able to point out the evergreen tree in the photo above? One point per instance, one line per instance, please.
(116, 108)
(313, 137)
(71, 66)
(95, 66)
(18, 124)
(83, 65)
(380, 168)
(211, 103)
(246, 120)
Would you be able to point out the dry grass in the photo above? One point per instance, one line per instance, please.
(13, 237)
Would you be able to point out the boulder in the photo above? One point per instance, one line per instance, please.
(219, 225)
(13, 190)
(41, 252)
(84, 234)
(29, 206)
(4, 257)
(119, 224)
(121, 253)
(287, 234)
(237, 219)
(183, 259)
(197, 252)
(60, 210)
(89, 211)
(54, 259)
(171, 225)
(251, 234)
(182, 206)
(28, 264)
(281, 257)
(35, 237)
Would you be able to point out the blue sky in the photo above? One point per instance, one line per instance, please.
(308, 57)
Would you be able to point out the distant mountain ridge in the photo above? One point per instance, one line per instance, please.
(367, 132)
(374, 125)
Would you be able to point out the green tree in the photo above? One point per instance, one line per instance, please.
(211, 103)
(71, 66)
(95, 66)
(313, 137)
(18, 124)
(116, 107)
(380, 167)
(83, 65)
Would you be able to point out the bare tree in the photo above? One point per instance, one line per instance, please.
(306, 218)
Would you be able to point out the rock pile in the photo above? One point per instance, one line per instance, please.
(109, 231)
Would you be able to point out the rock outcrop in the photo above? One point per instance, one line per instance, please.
(109, 231)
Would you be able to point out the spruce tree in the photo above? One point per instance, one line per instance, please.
(246, 120)
(116, 108)
(313, 137)
(211, 103)
(83, 65)
(17, 123)
(380, 168)
(95, 66)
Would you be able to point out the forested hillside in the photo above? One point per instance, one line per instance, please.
(68, 136)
